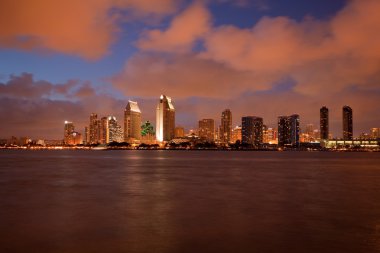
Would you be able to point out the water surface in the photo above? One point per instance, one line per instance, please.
(189, 201)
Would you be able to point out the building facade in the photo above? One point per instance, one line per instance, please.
(252, 130)
(206, 129)
(94, 128)
(132, 122)
(165, 119)
(324, 123)
(347, 123)
(115, 130)
(68, 132)
(179, 132)
(289, 131)
(225, 130)
(236, 134)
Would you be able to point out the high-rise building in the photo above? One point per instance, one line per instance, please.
(206, 129)
(225, 126)
(324, 123)
(86, 135)
(272, 136)
(252, 130)
(104, 131)
(115, 130)
(347, 123)
(68, 130)
(132, 122)
(179, 132)
(165, 119)
(236, 134)
(94, 128)
(289, 131)
(375, 133)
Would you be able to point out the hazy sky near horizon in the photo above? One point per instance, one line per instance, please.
(62, 60)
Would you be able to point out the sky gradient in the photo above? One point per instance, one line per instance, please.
(64, 60)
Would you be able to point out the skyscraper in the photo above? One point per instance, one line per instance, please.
(68, 130)
(165, 119)
(324, 123)
(347, 123)
(206, 129)
(94, 128)
(252, 130)
(132, 122)
(289, 131)
(236, 134)
(225, 126)
(104, 131)
(115, 130)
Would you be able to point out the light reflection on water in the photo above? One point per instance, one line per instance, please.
(189, 201)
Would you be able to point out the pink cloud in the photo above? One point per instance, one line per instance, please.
(85, 28)
(183, 31)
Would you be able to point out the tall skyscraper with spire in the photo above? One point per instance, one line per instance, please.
(165, 119)
(132, 122)
(347, 123)
(226, 126)
(324, 122)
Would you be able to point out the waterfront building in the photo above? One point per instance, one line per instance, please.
(375, 132)
(225, 126)
(132, 122)
(115, 130)
(324, 123)
(252, 130)
(94, 128)
(289, 131)
(86, 139)
(67, 133)
(179, 132)
(236, 134)
(347, 123)
(165, 119)
(206, 129)
(272, 136)
(104, 131)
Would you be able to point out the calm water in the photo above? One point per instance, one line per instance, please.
(178, 201)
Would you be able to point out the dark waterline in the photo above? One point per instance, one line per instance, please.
(159, 201)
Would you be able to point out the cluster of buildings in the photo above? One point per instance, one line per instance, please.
(252, 132)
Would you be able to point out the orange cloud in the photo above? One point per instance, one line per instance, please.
(85, 28)
(184, 30)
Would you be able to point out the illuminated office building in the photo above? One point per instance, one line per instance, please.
(68, 130)
(132, 122)
(94, 128)
(236, 134)
(347, 123)
(115, 130)
(252, 130)
(104, 131)
(179, 132)
(206, 129)
(289, 131)
(225, 130)
(165, 119)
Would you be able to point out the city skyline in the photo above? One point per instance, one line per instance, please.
(286, 59)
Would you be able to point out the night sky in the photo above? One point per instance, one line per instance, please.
(62, 60)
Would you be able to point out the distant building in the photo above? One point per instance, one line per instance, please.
(104, 131)
(86, 138)
(165, 119)
(67, 132)
(206, 129)
(347, 123)
(132, 122)
(375, 133)
(225, 126)
(236, 134)
(94, 128)
(115, 130)
(324, 123)
(272, 136)
(289, 131)
(252, 130)
(179, 132)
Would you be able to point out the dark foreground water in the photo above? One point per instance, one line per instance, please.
(178, 201)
